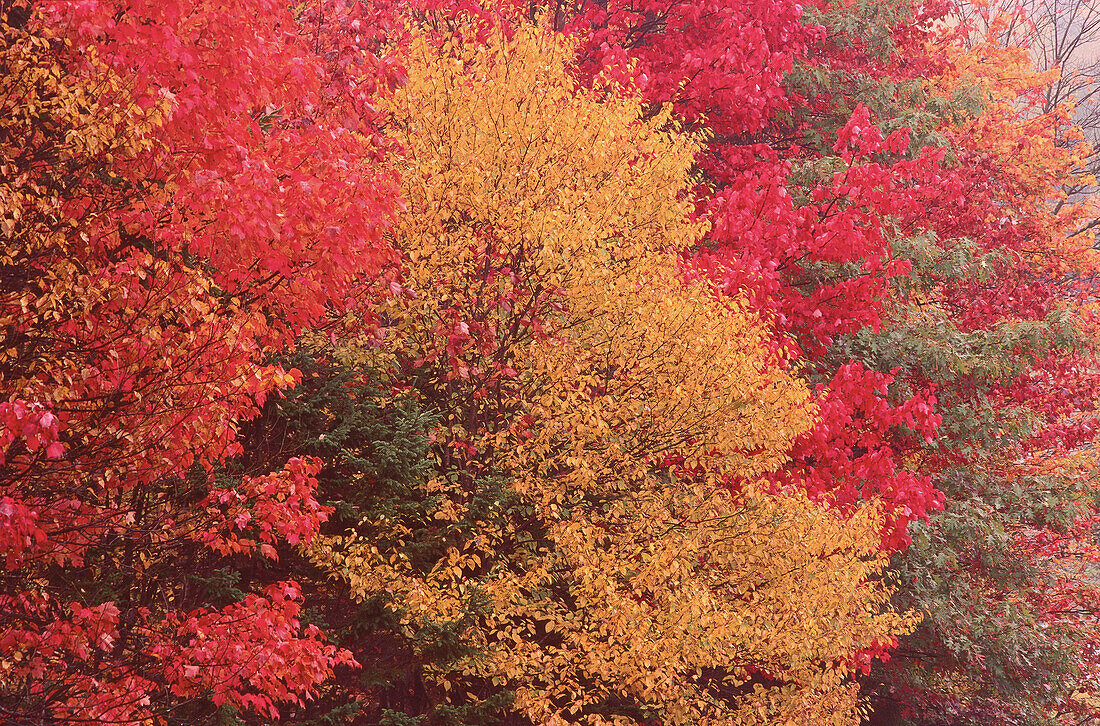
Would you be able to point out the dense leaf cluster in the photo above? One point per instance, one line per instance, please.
(506, 362)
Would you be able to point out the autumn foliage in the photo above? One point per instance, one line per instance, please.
(719, 362)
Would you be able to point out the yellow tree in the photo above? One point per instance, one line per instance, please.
(629, 568)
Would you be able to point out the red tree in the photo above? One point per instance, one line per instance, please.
(185, 189)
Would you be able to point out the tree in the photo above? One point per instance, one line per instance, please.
(1012, 366)
(176, 208)
(604, 549)
(984, 317)
(1059, 37)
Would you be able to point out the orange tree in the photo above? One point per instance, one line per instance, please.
(572, 550)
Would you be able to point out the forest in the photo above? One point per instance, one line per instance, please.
(547, 362)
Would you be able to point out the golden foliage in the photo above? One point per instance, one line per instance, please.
(627, 575)
(56, 127)
(1036, 153)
